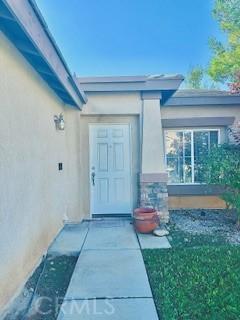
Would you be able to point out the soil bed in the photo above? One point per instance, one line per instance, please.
(199, 227)
(43, 293)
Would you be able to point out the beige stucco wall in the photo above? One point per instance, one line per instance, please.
(152, 145)
(107, 103)
(131, 103)
(35, 197)
(172, 112)
(196, 202)
(133, 121)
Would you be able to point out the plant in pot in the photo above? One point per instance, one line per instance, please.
(145, 220)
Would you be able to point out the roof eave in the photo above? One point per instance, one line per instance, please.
(24, 28)
(119, 84)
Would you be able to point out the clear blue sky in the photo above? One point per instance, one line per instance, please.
(131, 37)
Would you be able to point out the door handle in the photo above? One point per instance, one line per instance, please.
(93, 178)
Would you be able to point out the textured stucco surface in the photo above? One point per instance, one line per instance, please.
(195, 202)
(200, 111)
(109, 103)
(152, 145)
(35, 197)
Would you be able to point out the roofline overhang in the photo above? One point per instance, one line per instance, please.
(129, 84)
(24, 26)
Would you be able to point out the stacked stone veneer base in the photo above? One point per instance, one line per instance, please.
(155, 194)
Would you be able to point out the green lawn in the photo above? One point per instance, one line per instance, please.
(195, 283)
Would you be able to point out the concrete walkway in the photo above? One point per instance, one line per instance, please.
(110, 280)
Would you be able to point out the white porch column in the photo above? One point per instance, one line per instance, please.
(153, 178)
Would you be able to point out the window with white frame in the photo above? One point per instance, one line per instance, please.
(185, 151)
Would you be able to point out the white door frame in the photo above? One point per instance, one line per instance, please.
(89, 165)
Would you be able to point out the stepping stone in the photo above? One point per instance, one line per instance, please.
(160, 232)
(120, 236)
(149, 241)
(70, 239)
(118, 309)
(109, 273)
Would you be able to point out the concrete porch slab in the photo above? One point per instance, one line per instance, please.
(70, 240)
(149, 241)
(111, 235)
(118, 309)
(109, 274)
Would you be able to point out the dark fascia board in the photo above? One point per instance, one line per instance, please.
(128, 84)
(203, 100)
(194, 190)
(197, 122)
(20, 21)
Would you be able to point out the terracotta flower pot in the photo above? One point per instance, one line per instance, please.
(145, 220)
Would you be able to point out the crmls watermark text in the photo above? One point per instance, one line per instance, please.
(46, 306)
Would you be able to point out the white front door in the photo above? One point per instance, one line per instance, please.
(110, 169)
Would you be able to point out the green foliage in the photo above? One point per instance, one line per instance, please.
(195, 78)
(222, 167)
(225, 63)
(199, 283)
(227, 14)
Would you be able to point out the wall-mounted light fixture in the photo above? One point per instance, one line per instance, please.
(59, 122)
